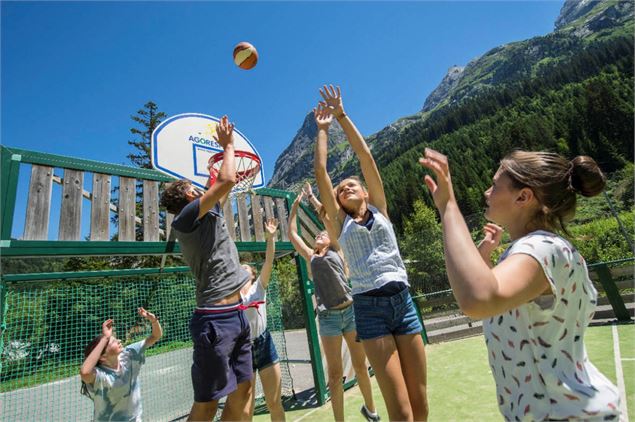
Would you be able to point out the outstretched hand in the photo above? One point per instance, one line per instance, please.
(298, 199)
(332, 100)
(271, 225)
(107, 327)
(441, 188)
(323, 116)
(493, 235)
(306, 189)
(147, 315)
(225, 131)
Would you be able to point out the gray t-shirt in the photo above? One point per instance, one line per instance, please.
(210, 253)
(331, 286)
(117, 393)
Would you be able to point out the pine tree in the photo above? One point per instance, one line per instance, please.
(149, 117)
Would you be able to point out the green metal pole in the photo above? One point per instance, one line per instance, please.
(628, 238)
(319, 380)
(3, 316)
(424, 333)
(8, 190)
(613, 294)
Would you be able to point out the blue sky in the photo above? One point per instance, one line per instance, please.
(73, 73)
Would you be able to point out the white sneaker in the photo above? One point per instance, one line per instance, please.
(370, 416)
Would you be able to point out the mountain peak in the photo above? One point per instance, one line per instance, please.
(440, 92)
(572, 10)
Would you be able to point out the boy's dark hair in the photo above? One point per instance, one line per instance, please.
(174, 196)
(87, 351)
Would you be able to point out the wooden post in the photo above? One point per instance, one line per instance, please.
(71, 212)
(243, 218)
(256, 215)
(150, 211)
(38, 208)
(282, 217)
(100, 207)
(127, 212)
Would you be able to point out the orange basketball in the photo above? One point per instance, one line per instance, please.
(245, 55)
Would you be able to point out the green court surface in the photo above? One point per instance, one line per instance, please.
(461, 388)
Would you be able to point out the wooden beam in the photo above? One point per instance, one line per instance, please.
(38, 210)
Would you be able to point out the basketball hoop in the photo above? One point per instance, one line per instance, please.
(247, 167)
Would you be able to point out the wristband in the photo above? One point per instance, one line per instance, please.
(342, 115)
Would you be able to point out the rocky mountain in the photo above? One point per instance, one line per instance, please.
(573, 9)
(295, 164)
(440, 92)
(581, 24)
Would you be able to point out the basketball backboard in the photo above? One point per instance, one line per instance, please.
(182, 145)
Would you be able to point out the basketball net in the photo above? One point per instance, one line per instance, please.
(247, 168)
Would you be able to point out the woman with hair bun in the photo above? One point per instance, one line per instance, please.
(537, 302)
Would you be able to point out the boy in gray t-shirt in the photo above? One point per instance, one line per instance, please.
(220, 331)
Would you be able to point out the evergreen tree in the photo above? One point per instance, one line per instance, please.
(149, 117)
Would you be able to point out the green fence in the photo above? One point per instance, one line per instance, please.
(49, 319)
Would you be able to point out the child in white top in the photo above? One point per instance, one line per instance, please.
(538, 300)
(264, 355)
(110, 372)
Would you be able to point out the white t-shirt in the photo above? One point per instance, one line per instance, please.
(117, 394)
(257, 317)
(536, 351)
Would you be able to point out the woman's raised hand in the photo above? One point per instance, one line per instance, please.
(271, 225)
(323, 116)
(332, 100)
(441, 188)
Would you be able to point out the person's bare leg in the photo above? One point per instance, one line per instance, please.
(333, 351)
(412, 355)
(203, 411)
(271, 379)
(248, 410)
(383, 357)
(358, 358)
(236, 402)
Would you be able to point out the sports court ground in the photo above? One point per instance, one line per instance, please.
(461, 387)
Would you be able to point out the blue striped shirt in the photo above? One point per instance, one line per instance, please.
(372, 255)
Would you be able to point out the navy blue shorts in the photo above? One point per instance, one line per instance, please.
(263, 351)
(378, 316)
(222, 353)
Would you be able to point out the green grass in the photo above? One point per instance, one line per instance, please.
(461, 387)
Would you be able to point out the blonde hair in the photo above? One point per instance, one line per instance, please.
(555, 181)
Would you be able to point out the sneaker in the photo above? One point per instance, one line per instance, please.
(370, 416)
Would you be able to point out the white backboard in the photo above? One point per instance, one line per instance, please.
(182, 145)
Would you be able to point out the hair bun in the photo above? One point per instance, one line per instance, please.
(586, 177)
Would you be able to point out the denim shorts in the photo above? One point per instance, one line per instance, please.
(378, 316)
(263, 351)
(222, 353)
(335, 322)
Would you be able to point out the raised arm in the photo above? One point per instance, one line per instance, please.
(323, 119)
(271, 226)
(376, 196)
(308, 191)
(479, 290)
(157, 331)
(87, 371)
(226, 178)
(294, 237)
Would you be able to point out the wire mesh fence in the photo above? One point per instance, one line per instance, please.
(47, 324)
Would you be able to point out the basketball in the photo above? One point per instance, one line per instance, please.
(245, 55)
